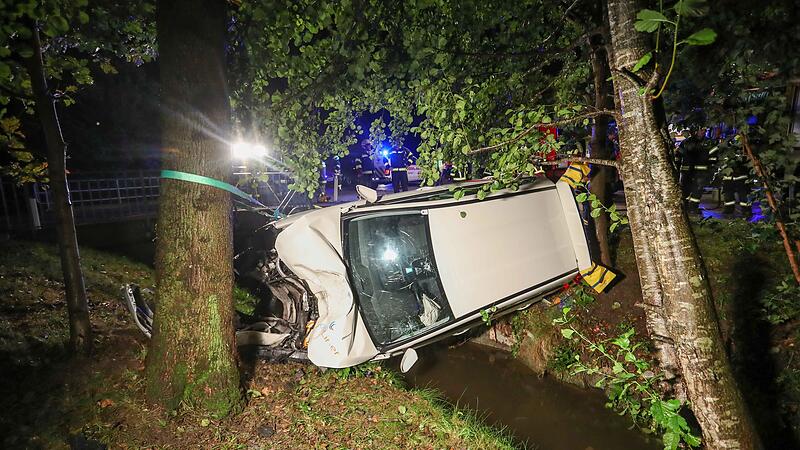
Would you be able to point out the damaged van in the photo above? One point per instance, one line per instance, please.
(382, 276)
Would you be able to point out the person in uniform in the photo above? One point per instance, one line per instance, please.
(400, 159)
(696, 160)
(364, 166)
(735, 187)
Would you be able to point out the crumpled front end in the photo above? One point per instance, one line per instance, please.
(311, 248)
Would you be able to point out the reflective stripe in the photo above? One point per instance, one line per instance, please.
(727, 178)
(400, 169)
(701, 167)
(713, 150)
(597, 277)
(741, 177)
(693, 200)
(574, 174)
(745, 204)
(730, 203)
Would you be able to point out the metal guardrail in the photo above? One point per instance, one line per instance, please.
(99, 198)
(113, 197)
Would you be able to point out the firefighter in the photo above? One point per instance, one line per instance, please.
(400, 159)
(735, 174)
(696, 161)
(364, 166)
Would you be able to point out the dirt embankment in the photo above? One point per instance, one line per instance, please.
(50, 400)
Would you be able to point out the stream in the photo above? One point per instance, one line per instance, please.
(543, 413)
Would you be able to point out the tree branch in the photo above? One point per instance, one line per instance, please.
(525, 132)
(579, 159)
(629, 76)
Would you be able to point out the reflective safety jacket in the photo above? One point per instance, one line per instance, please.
(364, 164)
(400, 159)
(697, 155)
(735, 168)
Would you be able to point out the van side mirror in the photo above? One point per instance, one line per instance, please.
(409, 359)
(370, 195)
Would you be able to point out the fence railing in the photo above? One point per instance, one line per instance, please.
(112, 197)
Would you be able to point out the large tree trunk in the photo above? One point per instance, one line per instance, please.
(192, 357)
(80, 330)
(599, 183)
(673, 278)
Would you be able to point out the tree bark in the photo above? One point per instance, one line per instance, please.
(192, 355)
(674, 285)
(599, 182)
(80, 330)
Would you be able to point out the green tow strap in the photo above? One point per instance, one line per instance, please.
(199, 179)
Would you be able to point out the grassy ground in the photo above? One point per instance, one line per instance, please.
(50, 400)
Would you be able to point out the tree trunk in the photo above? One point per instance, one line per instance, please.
(599, 183)
(80, 330)
(674, 285)
(192, 355)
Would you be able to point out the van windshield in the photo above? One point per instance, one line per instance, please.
(395, 276)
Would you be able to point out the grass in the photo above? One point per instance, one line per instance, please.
(58, 401)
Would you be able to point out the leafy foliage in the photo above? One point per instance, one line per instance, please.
(782, 305)
(457, 75)
(78, 38)
(630, 383)
(597, 207)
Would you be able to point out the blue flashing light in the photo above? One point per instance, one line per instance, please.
(385, 153)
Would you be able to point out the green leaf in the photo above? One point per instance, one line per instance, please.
(402, 409)
(691, 8)
(596, 212)
(580, 198)
(692, 440)
(481, 194)
(25, 51)
(56, 25)
(458, 194)
(703, 37)
(648, 20)
(567, 332)
(642, 62)
(671, 440)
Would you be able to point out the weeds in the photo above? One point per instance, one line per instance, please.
(630, 383)
(243, 301)
(563, 358)
(782, 305)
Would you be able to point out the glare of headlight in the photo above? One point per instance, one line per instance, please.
(389, 254)
(246, 150)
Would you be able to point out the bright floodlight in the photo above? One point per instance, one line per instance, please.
(246, 150)
(385, 152)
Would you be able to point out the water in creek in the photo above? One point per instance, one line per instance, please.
(544, 413)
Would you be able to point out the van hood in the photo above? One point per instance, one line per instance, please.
(311, 246)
